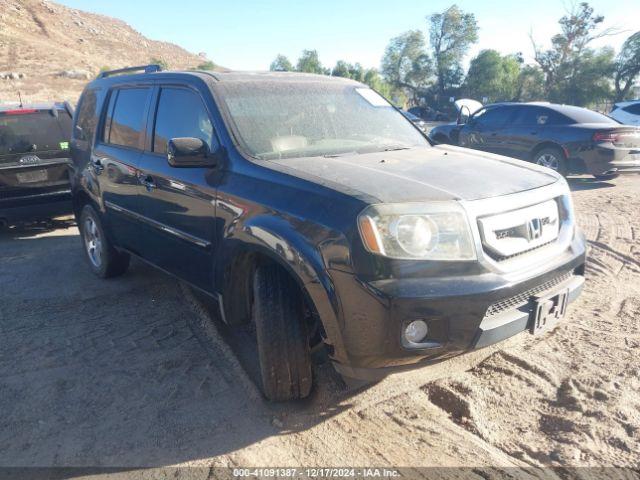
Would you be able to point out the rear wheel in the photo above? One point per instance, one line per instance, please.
(105, 261)
(552, 158)
(283, 343)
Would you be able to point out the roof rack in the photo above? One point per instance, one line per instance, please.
(142, 68)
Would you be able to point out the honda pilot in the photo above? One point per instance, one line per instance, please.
(315, 213)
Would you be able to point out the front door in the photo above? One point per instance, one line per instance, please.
(115, 159)
(179, 203)
(486, 129)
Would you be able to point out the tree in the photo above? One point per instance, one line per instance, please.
(493, 76)
(281, 64)
(208, 65)
(590, 80)
(451, 33)
(159, 61)
(374, 80)
(348, 70)
(530, 84)
(627, 67)
(406, 64)
(570, 61)
(310, 63)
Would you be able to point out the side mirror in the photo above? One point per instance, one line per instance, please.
(190, 152)
(464, 115)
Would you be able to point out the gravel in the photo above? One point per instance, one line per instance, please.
(134, 372)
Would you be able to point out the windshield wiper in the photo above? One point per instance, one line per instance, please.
(343, 154)
(393, 148)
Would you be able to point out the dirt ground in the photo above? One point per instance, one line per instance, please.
(132, 372)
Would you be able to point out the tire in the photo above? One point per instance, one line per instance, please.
(104, 260)
(283, 345)
(606, 177)
(552, 157)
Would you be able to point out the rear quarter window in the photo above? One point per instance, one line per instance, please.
(584, 115)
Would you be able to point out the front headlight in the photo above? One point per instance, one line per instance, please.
(415, 231)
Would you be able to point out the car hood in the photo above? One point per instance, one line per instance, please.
(423, 174)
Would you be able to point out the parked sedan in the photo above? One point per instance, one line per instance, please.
(34, 161)
(565, 138)
(627, 112)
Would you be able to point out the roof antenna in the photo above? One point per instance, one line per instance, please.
(20, 97)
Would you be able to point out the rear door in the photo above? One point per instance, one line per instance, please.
(529, 126)
(115, 159)
(179, 203)
(34, 153)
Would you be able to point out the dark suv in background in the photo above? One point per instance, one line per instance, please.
(34, 161)
(562, 137)
(310, 208)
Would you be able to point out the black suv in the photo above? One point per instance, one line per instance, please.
(565, 138)
(34, 161)
(311, 208)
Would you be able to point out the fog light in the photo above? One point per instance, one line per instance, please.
(416, 331)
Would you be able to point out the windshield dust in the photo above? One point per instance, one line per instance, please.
(310, 119)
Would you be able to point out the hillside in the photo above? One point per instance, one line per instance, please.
(49, 51)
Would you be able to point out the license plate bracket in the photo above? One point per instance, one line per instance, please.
(548, 310)
(32, 176)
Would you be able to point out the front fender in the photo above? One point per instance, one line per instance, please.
(290, 243)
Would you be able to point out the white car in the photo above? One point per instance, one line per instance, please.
(627, 112)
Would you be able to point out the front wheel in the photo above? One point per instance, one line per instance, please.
(104, 260)
(552, 158)
(283, 343)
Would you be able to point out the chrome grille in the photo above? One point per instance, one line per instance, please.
(514, 233)
(523, 298)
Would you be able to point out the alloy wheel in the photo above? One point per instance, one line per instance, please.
(549, 160)
(93, 242)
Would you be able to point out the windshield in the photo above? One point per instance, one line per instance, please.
(34, 132)
(308, 119)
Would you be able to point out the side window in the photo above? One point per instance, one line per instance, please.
(181, 113)
(555, 118)
(87, 116)
(538, 116)
(125, 117)
(633, 109)
(495, 117)
(107, 121)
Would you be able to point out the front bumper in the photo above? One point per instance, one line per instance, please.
(463, 313)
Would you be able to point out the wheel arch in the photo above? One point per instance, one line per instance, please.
(266, 240)
(79, 199)
(547, 144)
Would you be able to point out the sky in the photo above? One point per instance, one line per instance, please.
(248, 34)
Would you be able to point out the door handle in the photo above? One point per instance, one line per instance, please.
(98, 167)
(147, 182)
